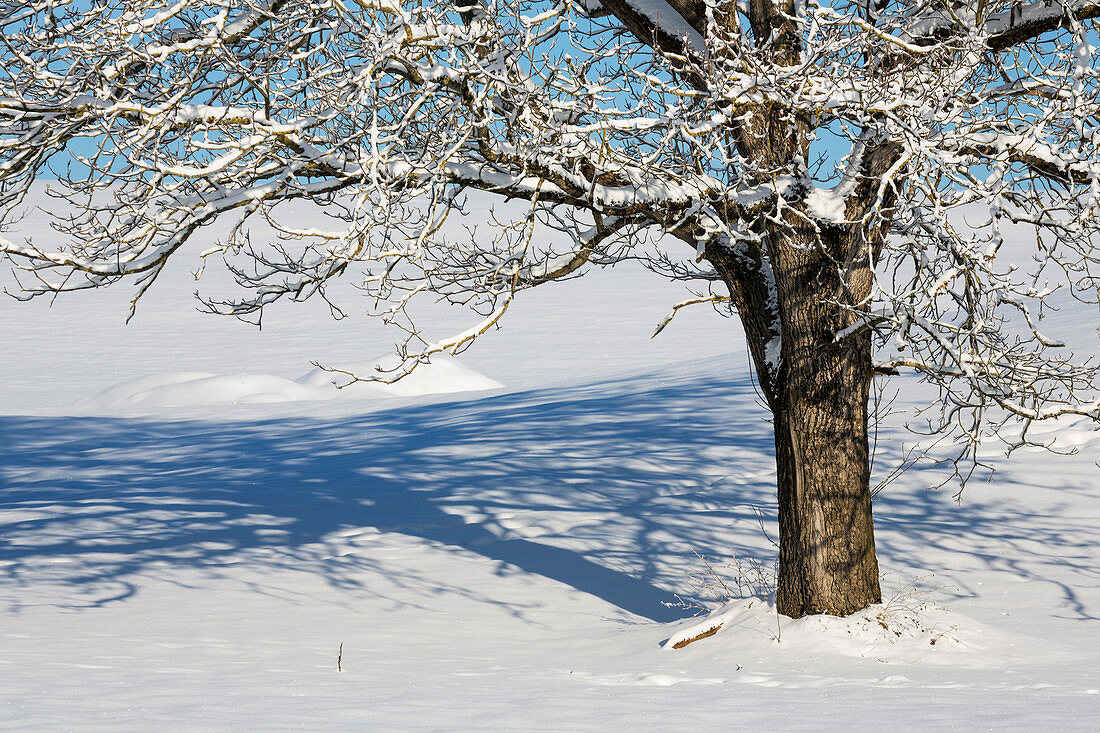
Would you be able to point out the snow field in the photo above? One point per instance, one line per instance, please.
(193, 551)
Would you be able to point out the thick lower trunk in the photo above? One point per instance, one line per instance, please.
(827, 560)
(817, 391)
(801, 283)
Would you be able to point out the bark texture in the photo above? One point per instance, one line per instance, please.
(799, 288)
(827, 548)
(818, 391)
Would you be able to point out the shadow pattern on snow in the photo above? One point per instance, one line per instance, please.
(606, 488)
(94, 502)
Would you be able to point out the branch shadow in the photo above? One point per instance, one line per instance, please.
(606, 488)
(94, 502)
(1032, 523)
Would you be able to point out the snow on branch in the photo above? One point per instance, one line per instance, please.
(465, 153)
(672, 25)
(1025, 21)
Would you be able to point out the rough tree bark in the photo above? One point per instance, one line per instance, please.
(827, 548)
(798, 290)
(817, 390)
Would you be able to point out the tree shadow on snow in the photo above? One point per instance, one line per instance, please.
(606, 488)
(94, 502)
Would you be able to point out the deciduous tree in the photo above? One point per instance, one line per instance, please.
(810, 161)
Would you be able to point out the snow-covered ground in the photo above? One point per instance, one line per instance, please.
(198, 533)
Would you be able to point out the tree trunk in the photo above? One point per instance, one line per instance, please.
(817, 391)
(827, 560)
(799, 285)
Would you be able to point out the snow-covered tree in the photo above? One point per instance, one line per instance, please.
(810, 163)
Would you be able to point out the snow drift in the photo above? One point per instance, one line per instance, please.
(442, 375)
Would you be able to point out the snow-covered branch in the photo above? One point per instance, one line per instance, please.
(1022, 22)
(599, 126)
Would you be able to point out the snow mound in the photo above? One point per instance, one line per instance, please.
(143, 390)
(180, 389)
(441, 375)
(896, 633)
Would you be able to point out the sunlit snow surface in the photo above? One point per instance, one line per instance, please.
(193, 535)
(442, 375)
